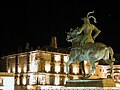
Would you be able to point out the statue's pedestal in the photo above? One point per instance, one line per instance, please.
(91, 84)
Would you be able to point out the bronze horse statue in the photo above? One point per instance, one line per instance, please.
(75, 46)
(89, 51)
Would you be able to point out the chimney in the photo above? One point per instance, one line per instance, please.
(27, 47)
(53, 42)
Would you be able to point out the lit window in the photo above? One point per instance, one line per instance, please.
(34, 66)
(57, 80)
(104, 70)
(41, 79)
(47, 80)
(33, 79)
(57, 58)
(75, 69)
(57, 67)
(34, 63)
(66, 58)
(47, 66)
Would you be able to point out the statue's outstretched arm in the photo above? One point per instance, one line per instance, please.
(97, 32)
(81, 29)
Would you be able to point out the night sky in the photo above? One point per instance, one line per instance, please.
(36, 22)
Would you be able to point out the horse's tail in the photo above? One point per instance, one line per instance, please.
(111, 52)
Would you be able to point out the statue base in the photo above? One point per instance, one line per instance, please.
(107, 82)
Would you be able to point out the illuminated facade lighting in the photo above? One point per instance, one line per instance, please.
(24, 80)
(25, 69)
(19, 69)
(8, 70)
(13, 70)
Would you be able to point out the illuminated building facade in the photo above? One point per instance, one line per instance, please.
(43, 67)
(40, 68)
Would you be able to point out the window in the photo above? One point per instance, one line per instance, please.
(66, 58)
(57, 58)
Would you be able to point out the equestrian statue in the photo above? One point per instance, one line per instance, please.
(85, 49)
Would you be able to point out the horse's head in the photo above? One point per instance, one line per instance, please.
(69, 37)
(72, 34)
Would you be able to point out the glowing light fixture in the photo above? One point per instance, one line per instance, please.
(18, 81)
(19, 69)
(24, 80)
(13, 69)
(8, 70)
(25, 69)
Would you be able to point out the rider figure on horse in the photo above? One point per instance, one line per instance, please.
(87, 29)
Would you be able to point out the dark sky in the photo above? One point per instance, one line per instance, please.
(36, 22)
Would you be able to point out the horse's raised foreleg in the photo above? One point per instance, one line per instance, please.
(92, 63)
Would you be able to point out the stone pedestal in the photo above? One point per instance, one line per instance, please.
(106, 83)
(91, 83)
